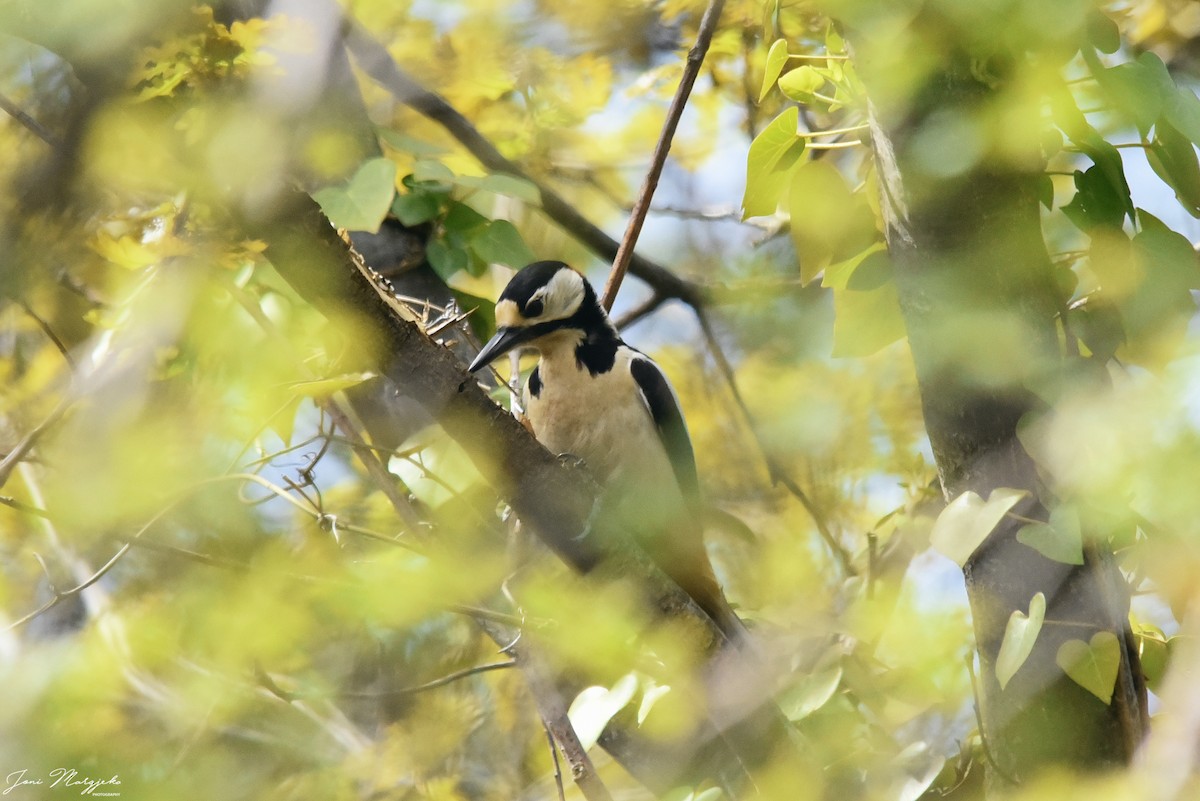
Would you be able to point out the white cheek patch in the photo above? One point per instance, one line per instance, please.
(563, 295)
(508, 315)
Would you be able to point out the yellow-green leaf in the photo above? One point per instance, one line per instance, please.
(968, 519)
(800, 83)
(362, 203)
(777, 57)
(1092, 665)
(772, 154)
(1019, 636)
(323, 387)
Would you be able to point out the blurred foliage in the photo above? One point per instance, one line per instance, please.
(260, 622)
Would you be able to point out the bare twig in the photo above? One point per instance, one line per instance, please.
(558, 779)
(695, 57)
(22, 448)
(376, 62)
(49, 332)
(635, 314)
(777, 473)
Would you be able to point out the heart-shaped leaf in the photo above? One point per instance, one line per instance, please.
(360, 205)
(1061, 539)
(1019, 636)
(1092, 665)
(968, 519)
(769, 160)
(593, 708)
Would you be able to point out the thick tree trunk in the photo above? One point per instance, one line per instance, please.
(975, 286)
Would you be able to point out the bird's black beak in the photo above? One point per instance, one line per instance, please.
(505, 340)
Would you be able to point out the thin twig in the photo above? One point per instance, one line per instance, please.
(376, 62)
(695, 57)
(635, 314)
(39, 130)
(22, 448)
(558, 779)
(49, 332)
(449, 678)
(777, 473)
(983, 738)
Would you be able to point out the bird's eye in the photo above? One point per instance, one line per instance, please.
(534, 307)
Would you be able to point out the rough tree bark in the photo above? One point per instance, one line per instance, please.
(973, 277)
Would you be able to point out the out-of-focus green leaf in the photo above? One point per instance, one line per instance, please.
(501, 243)
(810, 693)
(414, 208)
(867, 311)
(1098, 202)
(1061, 539)
(1019, 636)
(410, 144)
(777, 57)
(1103, 32)
(501, 184)
(968, 520)
(828, 221)
(363, 202)
(1173, 158)
(1154, 649)
(1092, 665)
(445, 259)
(771, 156)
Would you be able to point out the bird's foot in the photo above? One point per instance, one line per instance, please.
(571, 460)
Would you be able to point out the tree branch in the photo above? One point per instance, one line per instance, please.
(376, 62)
(695, 57)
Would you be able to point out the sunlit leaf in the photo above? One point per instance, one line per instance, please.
(968, 520)
(1061, 539)
(1173, 158)
(771, 156)
(810, 693)
(800, 84)
(1019, 637)
(777, 57)
(363, 202)
(1092, 665)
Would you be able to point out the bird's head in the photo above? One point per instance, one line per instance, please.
(543, 299)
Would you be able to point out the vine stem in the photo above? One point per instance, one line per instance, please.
(691, 69)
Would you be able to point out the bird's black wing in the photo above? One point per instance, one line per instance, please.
(664, 408)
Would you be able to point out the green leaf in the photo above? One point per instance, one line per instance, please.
(837, 276)
(1019, 636)
(462, 222)
(445, 259)
(1092, 665)
(1097, 202)
(1061, 539)
(828, 221)
(501, 184)
(501, 243)
(362, 203)
(777, 57)
(968, 520)
(810, 693)
(800, 84)
(1103, 32)
(483, 313)
(414, 208)
(1155, 650)
(1173, 158)
(772, 154)
(593, 708)
(867, 312)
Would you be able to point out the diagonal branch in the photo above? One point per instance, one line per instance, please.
(695, 57)
(376, 62)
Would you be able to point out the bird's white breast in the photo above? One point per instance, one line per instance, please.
(603, 420)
